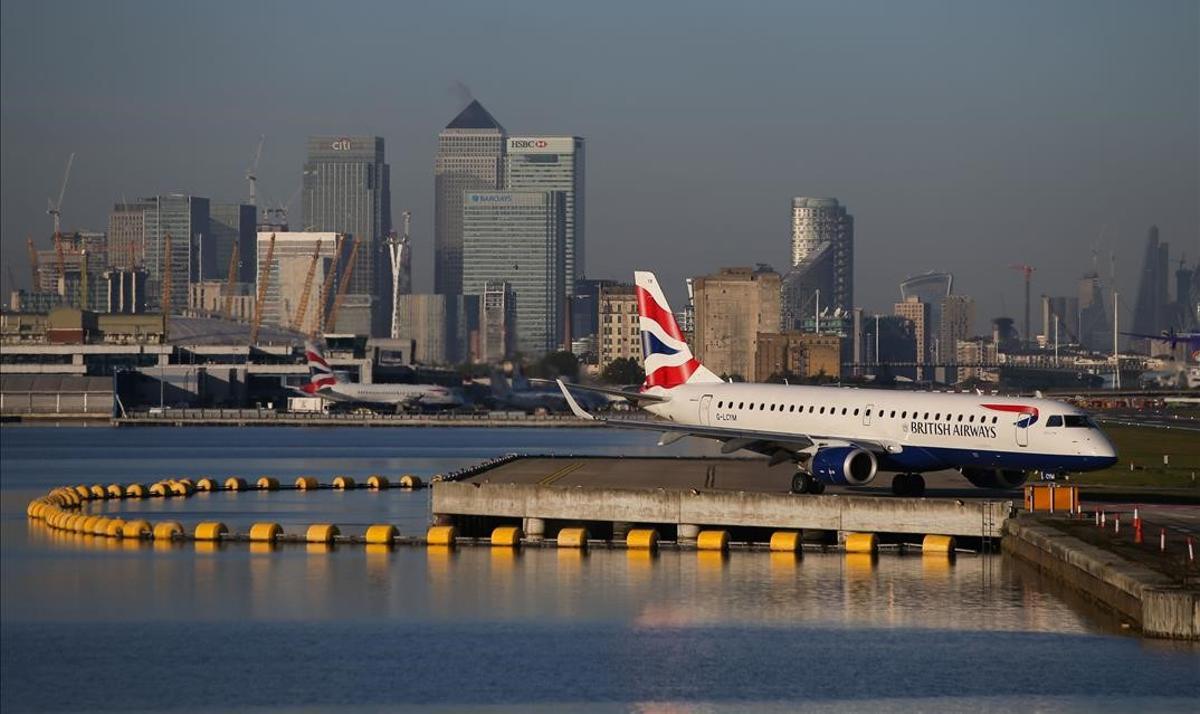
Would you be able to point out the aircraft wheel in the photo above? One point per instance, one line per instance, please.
(802, 482)
(817, 487)
(900, 484)
(916, 485)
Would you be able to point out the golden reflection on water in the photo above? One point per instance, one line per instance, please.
(935, 567)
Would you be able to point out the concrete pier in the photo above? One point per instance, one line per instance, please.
(972, 519)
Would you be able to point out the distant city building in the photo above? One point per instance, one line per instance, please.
(797, 354)
(975, 359)
(207, 299)
(437, 326)
(916, 312)
(1065, 312)
(1150, 311)
(230, 224)
(732, 307)
(496, 322)
(585, 307)
(469, 158)
(181, 220)
(81, 282)
(552, 163)
(1004, 334)
(290, 262)
(1095, 327)
(125, 290)
(931, 288)
(619, 335)
(956, 321)
(127, 234)
(347, 190)
(822, 270)
(519, 237)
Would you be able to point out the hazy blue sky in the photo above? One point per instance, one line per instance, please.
(963, 136)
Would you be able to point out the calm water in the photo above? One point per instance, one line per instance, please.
(93, 624)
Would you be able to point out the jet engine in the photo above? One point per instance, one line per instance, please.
(844, 465)
(995, 478)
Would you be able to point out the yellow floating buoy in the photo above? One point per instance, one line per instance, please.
(321, 533)
(115, 491)
(441, 535)
(267, 483)
(99, 493)
(506, 536)
(377, 483)
(167, 530)
(34, 509)
(160, 489)
(114, 528)
(380, 534)
(572, 538)
(136, 490)
(187, 482)
(206, 485)
(939, 544)
(861, 542)
(306, 483)
(84, 492)
(265, 532)
(181, 488)
(233, 483)
(210, 530)
(712, 540)
(100, 527)
(343, 483)
(641, 539)
(785, 541)
(136, 529)
(411, 482)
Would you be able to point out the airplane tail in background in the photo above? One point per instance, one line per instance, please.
(320, 375)
(668, 359)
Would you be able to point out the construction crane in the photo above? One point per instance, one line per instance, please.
(166, 281)
(35, 286)
(264, 279)
(252, 174)
(326, 287)
(345, 284)
(83, 281)
(54, 208)
(227, 307)
(298, 318)
(1027, 270)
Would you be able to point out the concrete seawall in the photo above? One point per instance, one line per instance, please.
(1157, 603)
(975, 519)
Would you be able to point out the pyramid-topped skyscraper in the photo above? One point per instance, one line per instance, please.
(470, 158)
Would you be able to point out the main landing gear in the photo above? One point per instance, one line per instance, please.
(804, 482)
(908, 485)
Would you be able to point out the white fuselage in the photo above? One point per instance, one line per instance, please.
(957, 429)
(395, 394)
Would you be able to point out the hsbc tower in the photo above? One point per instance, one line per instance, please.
(552, 163)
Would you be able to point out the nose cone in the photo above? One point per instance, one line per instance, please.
(1104, 453)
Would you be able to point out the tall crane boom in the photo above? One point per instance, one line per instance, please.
(60, 264)
(302, 308)
(54, 209)
(227, 307)
(326, 287)
(264, 279)
(345, 284)
(252, 173)
(1027, 270)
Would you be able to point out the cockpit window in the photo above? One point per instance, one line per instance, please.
(1055, 420)
(1078, 420)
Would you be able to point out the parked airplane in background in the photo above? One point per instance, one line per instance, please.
(324, 383)
(1174, 339)
(519, 394)
(847, 436)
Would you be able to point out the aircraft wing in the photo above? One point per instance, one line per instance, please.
(628, 394)
(766, 442)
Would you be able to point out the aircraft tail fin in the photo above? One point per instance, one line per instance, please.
(320, 375)
(667, 357)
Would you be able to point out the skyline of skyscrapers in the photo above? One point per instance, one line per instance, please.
(184, 219)
(469, 158)
(347, 189)
(553, 163)
(520, 237)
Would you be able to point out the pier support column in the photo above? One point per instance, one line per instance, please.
(687, 533)
(441, 519)
(535, 528)
(620, 528)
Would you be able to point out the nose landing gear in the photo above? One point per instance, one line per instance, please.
(909, 485)
(804, 482)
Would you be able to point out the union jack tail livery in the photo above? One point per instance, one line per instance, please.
(319, 373)
(668, 359)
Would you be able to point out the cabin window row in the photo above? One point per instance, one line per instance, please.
(847, 411)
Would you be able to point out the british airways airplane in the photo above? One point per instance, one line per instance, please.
(323, 382)
(847, 436)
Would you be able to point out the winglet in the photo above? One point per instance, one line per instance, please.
(575, 408)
